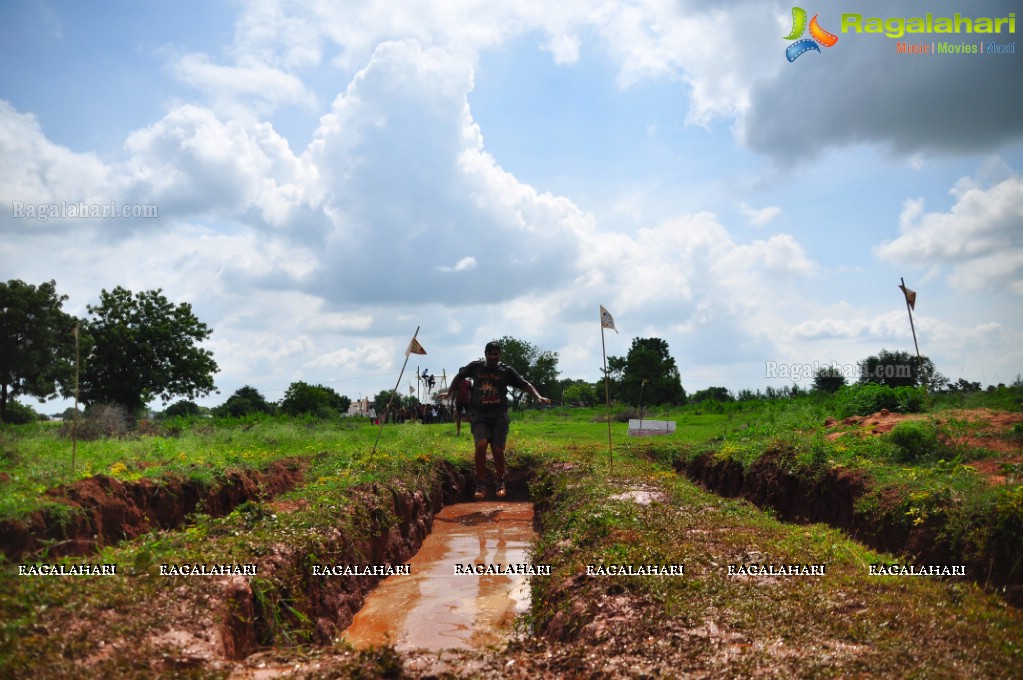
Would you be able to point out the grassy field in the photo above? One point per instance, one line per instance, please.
(845, 624)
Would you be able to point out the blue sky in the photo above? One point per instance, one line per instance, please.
(329, 176)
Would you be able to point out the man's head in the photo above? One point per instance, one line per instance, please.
(492, 352)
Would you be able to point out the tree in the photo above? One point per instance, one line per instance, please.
(712, 393)
(303, 398)
(828, 379)
(648, 359)
(539, 367)
(896, 369)
(37, 344)
(579, 393)
(182, 408)
(384, 398)
(145, 347)
(244, 401)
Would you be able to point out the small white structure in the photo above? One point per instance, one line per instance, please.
(650, 428)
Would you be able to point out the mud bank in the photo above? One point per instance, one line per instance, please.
(830, 496)
(214, 623)
(390, 525)
(99, 511)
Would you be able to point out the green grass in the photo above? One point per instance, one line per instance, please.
(36, 457)
(344, 483)
(841, 625)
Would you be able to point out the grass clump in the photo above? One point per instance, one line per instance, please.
(915, 439)
(865, 399)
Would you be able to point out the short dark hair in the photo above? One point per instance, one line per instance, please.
(493, 344)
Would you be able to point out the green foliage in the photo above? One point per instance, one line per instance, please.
(915, 439)
(182, 408)
(719, 394)
(20, 414)
(316, 400)
(385, 397)
(145, 347)
(866, 398)
(37, 345)
(579, 393)
(539, 367)
(245, 400)
(650, 368)
(1001, 397)
(829, 379)
(896, 369)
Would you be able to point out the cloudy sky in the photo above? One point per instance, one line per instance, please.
(330, 175)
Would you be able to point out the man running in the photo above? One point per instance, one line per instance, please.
(488, 412)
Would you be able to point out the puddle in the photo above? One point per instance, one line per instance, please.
(640, 496)
(435, 608)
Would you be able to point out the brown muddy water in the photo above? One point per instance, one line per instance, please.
(434, 607)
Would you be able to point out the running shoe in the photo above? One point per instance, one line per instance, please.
(501, 490)
(481, 491)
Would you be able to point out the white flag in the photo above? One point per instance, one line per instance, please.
(606, 321)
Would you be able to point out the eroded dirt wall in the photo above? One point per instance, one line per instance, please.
(102, 510)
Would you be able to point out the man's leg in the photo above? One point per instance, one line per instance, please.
(481, 468)
(502, 491)
(498, 459)
(481, 459)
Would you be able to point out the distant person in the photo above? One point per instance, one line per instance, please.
(463, 402)
(488, 410)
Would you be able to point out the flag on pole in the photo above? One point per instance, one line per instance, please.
(606, 320)
(910, 296)
(414, 348)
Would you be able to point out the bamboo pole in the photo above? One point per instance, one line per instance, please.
(387, 409)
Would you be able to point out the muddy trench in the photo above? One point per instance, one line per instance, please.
(101, 511)
(830, 497)
(393, 525)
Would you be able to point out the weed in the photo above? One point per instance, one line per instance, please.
(915, 439)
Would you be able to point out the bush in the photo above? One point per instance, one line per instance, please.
(20, 414)
(626, 415)
(867, 398)
(915, 439)
(100, 421)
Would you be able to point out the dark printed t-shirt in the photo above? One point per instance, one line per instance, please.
(490, 386)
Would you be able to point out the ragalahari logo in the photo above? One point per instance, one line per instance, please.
(818, 35)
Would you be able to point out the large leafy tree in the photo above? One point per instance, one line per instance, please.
(828, 379)
(37, 344)
(539, 367)
(578, 392)
(648, 360)
(244, 401)
(145, 347)
(712, 394)
(303, 398)
(898, 369)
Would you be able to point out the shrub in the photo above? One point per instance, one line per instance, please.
(100, 421)
(914, 438)
(867, 398)
(20, 414)
(626, 415)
